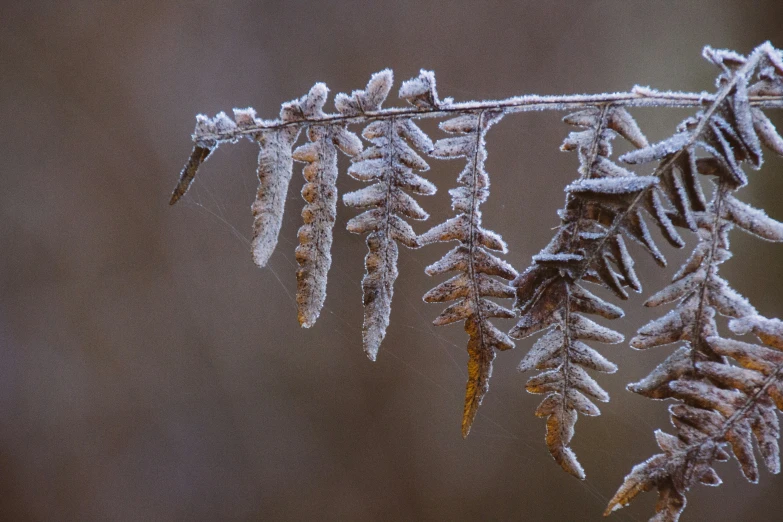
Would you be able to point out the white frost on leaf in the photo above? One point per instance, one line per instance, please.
(390, 164)
(320, 194)
(474, 284)
(420, 91)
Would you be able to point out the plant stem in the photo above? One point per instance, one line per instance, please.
(637, 97)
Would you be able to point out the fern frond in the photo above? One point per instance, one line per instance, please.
(208, 134)
(729, 407)
(320, 194)
(588, 245)
(199, 155)
(389, 164)
(719, 403)
(275, 168)
(726, 390)
(476, 266)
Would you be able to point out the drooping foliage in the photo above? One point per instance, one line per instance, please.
(724, 390)
(476, 266)
(389, 164)
(589, 246)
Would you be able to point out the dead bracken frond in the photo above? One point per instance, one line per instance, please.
(389, 164)
(725, 391)
(476, 266)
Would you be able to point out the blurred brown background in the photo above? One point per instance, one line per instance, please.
(149, 371)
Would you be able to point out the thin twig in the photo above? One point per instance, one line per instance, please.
(637, 97)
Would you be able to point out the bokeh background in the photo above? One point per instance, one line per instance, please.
(149, 371)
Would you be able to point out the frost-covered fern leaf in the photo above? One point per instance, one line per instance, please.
(729, 408)
(719, 403)
(389, 164)
(700, 294)
(724, 389)
(320, 194)
(275, 167)
(474, 283)
(188, 174)
(208, 134)
(588, 245)
(729, 131)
